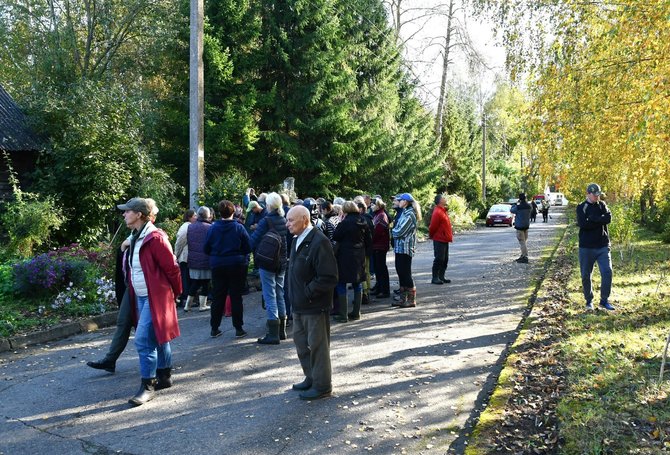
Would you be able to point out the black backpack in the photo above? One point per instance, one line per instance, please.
(269, 250)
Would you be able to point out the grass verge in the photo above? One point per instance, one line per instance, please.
(579, 382)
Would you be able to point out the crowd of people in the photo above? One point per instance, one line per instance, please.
(308, 254)
(324, 249)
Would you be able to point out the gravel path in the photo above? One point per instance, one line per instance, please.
(405, 380)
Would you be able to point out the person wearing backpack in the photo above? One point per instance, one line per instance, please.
(269, 245)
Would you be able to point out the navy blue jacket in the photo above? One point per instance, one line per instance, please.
(522, 211)
(592, 220)
(227, 244)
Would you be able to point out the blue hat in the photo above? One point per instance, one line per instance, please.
(405, 197)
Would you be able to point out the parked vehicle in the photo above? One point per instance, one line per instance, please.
(557, 199)
(499, 214)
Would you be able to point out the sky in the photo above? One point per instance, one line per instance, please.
(424, 47)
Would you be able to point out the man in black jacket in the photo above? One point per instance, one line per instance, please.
(593, 216)
(312, 276)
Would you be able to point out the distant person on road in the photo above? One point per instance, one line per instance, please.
(404, 246)
(521, 223)
(124, 319)
(312, 276)
(545, 210)
(533, 211)
(153, 282)
(441, 233)
(593, 216)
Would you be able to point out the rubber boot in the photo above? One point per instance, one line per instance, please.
(203, 303)
(272, 335)
(411, 299)
(145, 392)
(189, 301)
(444, 279)
(163, 378)
(282, 328)
(436, 276)
(342, 308)
(355, 315)
(400, 298)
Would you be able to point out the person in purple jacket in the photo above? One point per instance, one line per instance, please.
(198, 261)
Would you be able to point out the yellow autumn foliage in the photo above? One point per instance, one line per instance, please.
(601, 106)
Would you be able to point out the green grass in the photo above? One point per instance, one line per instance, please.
(614, 402)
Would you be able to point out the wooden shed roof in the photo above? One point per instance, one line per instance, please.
(15, 135)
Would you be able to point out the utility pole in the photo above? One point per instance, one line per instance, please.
(484, 157)
(196, 104)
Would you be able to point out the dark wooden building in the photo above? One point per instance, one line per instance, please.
(18, 141)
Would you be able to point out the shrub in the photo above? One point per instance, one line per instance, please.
(622, 227)
(665, 235)
(229, 186)
(29, 222)
(45, 274)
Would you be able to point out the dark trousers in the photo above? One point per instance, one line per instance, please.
(379, 260)
(124, 322)
(588, 257)
(311, 335)
(403, 267)
(228, 281)
(185, 281)
(203, 285)
(441, 253)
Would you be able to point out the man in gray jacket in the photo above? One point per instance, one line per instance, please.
(312, 276)
(521, 223)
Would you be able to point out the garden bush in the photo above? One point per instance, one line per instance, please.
(45, 274)
(29, 221)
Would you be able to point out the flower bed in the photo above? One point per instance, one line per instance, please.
(55, 287)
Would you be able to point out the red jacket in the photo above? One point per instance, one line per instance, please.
(440, 226)
(161, 273)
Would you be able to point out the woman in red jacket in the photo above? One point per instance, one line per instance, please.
(441, 234)
(153, 279)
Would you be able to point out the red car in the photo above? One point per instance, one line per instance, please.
(500, 214)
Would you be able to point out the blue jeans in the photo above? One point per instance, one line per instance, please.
(341, 288)
(152, 355)
(272, 286)
(587, 259)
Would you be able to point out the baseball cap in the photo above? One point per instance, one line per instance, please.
(594, 188)
(405, 197)
(137, 204)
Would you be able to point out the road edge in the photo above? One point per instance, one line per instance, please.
(498, 397)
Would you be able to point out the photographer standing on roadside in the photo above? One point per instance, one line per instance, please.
(593, 216)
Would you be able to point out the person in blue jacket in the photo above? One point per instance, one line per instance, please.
(227, 245)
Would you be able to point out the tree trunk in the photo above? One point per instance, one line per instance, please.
(439, 118)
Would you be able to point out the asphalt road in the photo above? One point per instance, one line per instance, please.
(405, 380)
